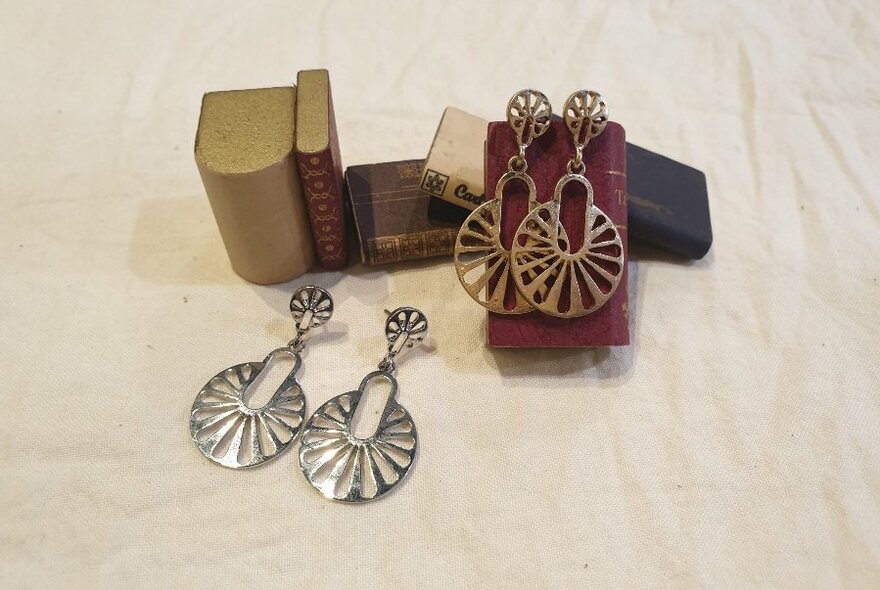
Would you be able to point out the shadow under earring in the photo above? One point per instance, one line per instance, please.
(230, 432)
(551, 275)
(481, 260)
(344, 467)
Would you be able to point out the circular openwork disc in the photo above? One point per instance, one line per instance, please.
(481, 260)
(229, 432)
(314, 301)
(552, 278)
(528, 113)
(343, 467)
(586, 114)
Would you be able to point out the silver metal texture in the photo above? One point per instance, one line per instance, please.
(229, 432)
(311, 307)
(404, 328)
(226, 429)
(552, 278)
(346, 468)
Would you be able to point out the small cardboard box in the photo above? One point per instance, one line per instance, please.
(453, 174)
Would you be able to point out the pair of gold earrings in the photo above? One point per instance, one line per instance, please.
(230, 432)
(543, 270)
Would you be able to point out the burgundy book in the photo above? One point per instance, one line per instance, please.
(605, 157)
(320, 167)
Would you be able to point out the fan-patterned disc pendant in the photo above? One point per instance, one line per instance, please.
(481, 260)
(344, 467)
(229, 432)
(552, 278)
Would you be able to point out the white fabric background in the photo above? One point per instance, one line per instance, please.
(734, 444)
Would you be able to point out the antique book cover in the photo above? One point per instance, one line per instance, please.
(668, 203)
(320, 166)
(244, 152)
(605, 157)
(391, 214)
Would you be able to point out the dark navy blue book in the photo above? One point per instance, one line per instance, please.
(667, 203)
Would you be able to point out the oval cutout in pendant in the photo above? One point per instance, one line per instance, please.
(229, 432)
(350, 469)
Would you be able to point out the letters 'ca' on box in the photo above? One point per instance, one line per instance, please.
(454, 168)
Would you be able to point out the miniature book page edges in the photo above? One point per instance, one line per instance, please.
(243, 152)
(605, 158)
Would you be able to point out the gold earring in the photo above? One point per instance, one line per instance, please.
(548, 274)
(481, 260)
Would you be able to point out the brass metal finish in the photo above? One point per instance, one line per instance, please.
(544, 266)
(481, 260)
(585, 115)
(528, 114)
(552, 278)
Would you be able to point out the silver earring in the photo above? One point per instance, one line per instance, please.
(344, 467)
(230, 432)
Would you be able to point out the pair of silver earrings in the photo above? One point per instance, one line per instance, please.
(339, 465)
(542, 270)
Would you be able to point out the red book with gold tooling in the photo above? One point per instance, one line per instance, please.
(320, 167)
(605, 157)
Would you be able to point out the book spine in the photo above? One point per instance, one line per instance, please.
(322, 187)
(388, 249)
